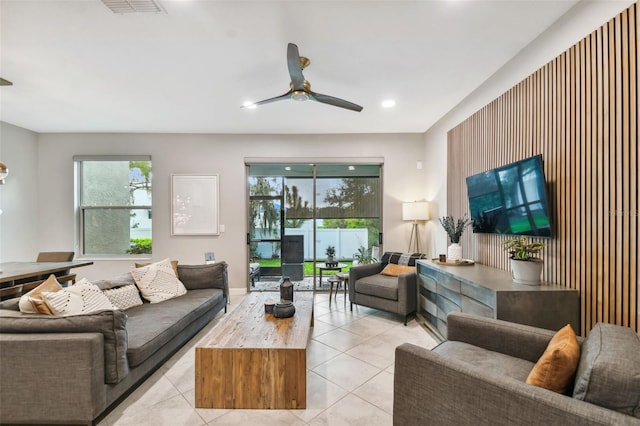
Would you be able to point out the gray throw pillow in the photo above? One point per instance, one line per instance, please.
(609, 371)
(112, 325)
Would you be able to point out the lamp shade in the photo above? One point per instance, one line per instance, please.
(418, 210)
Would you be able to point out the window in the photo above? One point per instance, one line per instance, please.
(114, 209)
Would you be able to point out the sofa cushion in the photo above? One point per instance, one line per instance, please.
(202, 276)
(486, 360)
(111, 324)
(408, 259)
(557, 366)
(33, 301)
(158, 281)
(151, 326)
(609, 371)
(377, 285)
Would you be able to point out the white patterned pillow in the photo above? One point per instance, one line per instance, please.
(158, 282)
(82, 297)
(124, 297)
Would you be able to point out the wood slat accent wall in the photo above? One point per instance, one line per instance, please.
(580, 111)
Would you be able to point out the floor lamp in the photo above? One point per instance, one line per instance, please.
(416, 211)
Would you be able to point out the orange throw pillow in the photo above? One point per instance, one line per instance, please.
(394, 270)
(33, 302)
(558, 364)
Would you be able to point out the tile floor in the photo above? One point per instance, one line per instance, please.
(349, 375)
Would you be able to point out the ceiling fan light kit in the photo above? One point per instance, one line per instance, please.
(300, 89)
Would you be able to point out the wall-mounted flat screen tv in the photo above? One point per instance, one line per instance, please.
(510, 200)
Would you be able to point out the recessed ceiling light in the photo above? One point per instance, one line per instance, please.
(388, 103)
(249, 105)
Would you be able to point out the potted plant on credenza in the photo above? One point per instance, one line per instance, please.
(526, 266)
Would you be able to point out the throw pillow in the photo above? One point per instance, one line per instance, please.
(33, 302)
(124, 297)
(158, 282)
(557, 365)
(81, 298)
(394, 270)
(174, 265)
(408, 259)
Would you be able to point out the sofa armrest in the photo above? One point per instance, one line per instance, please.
(408, 292)
(212, 275)
(517, 340)
(429, 389)
(51, 377)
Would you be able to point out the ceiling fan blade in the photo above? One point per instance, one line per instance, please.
(295, 68)
(4, 82)
(267, 101)
(330, 100)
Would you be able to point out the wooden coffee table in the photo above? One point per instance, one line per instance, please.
(254, 360)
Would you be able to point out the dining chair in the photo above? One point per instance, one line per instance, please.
(59, 256)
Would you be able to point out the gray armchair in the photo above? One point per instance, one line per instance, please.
(392, 294)
(478, 377)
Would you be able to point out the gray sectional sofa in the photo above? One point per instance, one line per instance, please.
(477, 377)
(71, 370)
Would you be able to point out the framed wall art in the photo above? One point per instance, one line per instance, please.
(194, 204)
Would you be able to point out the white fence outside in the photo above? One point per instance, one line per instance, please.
(345, 241)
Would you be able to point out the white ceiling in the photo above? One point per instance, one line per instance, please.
(78, 67)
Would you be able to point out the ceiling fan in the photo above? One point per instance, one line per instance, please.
(4, 82)
(300, 89)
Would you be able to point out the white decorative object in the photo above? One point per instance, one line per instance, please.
(527, 271)
(454, 252)
(194, 205)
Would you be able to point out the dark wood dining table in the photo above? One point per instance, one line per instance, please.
(16, 272)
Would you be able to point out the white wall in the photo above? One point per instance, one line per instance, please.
(222, 154)
(576, 24)
(19, 196)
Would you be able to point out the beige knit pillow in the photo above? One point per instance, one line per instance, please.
(158, 282)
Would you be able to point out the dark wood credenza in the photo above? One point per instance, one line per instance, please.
(490, 292)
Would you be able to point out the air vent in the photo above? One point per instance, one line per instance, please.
(134, 6)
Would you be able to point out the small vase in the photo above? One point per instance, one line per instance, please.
(454, 252)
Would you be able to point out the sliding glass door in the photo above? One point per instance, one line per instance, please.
(296, 211)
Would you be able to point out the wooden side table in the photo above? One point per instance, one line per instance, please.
(341, 278)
